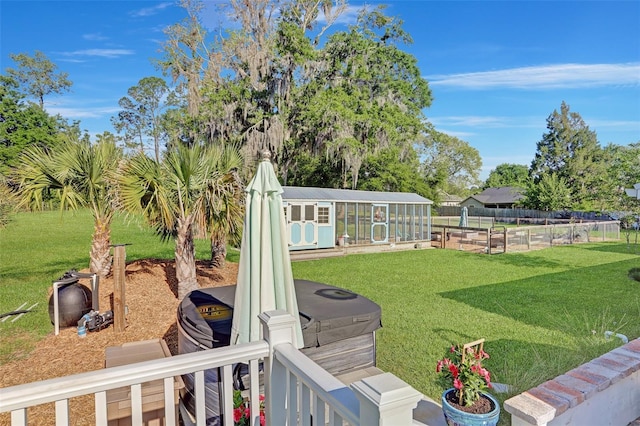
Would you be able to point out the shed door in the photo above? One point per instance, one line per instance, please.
(302, 224)
(379, 223)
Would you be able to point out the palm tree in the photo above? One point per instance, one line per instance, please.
(225, 208)
(177, 197)
(79, 175)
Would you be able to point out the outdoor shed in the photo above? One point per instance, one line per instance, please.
(325, 218)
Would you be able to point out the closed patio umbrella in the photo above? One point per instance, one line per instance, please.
(464, 219)
(265, 279)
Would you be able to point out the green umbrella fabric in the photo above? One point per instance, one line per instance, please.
(265, 279)
(464, 217)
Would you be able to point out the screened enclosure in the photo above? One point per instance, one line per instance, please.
(325, 218)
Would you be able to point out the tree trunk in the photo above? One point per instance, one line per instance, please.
(218, 253)
(100, 257)
(185, 254)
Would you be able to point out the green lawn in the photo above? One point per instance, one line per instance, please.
(541, 313)
(37, 248)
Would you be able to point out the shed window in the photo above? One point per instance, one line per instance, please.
(323, 215)
(309, 211)
(295, 213)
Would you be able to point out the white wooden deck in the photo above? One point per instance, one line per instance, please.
(427, 413)
(296, 390)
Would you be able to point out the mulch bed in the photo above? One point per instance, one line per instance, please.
(151, 297)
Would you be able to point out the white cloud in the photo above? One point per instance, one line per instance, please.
(456, 133)
(105, 53)
(149, 11)
(94, 37)
(471, 121)
(545, 77)
(76, 113)
(615, 124)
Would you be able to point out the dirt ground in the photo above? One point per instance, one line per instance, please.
(151, 297)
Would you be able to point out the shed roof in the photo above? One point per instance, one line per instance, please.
(299, 193)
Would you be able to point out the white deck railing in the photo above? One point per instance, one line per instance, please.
(296, 389)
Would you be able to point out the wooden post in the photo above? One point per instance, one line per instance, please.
(443, 243)
(119, 302)
(529, 239)
(385, 400)
(505, 240)
(478, 346)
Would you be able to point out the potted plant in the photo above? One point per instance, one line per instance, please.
(242, 412)
(465, 401)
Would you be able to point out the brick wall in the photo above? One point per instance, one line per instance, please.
(604, 391)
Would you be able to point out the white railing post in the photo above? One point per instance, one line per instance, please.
(277, 328)
(385, 400)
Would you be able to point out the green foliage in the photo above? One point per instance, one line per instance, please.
(269, 85)
(8, 202)
(78, 175)
(37, 76)
(462, 370)
(390, 170)
(313, 171)
(183, 197)
(141, 115)
(551, 193)
(516, 175)
(77, 172)
(367, 97)
(180, 187)
(449, 164)
(22, 125)
(571, 151)
(622, 171)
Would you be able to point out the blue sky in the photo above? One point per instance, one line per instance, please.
(497, 69)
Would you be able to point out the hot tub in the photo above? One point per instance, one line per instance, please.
(338, 328)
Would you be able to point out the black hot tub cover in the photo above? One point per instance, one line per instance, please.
(327, 314)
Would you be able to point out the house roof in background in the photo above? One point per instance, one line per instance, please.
(299, 193)
(502, 195)
(451, 197)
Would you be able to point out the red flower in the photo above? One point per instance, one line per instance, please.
(454, 371)
(238, 413)
(487, 376)
(464, 371)
(457, 384)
